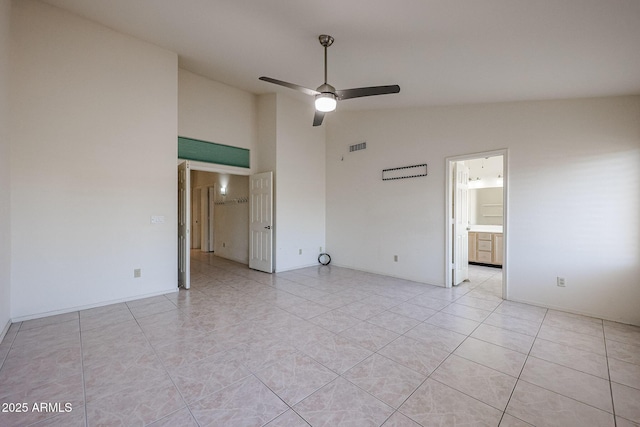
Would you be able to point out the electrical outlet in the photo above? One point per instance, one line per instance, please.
(320, 249)
(560, 282)
(395, 258)
(137, 272)
(299, 251)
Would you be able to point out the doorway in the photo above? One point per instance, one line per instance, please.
(185, 211)
(476, 220)
(220, 214)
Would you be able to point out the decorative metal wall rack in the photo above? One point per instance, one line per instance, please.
(234, 201)
(404, 172)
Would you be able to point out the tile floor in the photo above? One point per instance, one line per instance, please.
(321, 346)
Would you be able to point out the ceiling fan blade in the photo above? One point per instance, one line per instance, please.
(290, 86)
(367, 91)
(317, 118)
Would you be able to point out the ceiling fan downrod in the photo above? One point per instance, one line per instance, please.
(325, 41)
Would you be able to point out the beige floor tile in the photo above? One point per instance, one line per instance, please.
(137, 406)
(245, 403)
(414, 311)
(621, 422)
(591, 343)
(571, 357)
(400, 420)
(466, 312)
(180, 418)
(478, 303)
(335, 321)
(439, 405)
(577, 385)
(511, 421)
(623, 351)
(521, 311)
(415, 354)
(492, 356)
(541, 407)
(369, 336)
(621, 332)
(514, 324)
(295, 377)
(624, 373)
(574, 323)
(335, 352)
(288, 419)
(625, 400)
(453, 323)
(504, 338)
(65, 390)
(436, 336)
(49, 320)
(429, 301)
(342, 403)
(385, 379)
(207, 376)
(394, 321)
(485, 384)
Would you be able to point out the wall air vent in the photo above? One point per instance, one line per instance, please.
(358, 147)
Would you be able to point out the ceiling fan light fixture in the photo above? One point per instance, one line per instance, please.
(326, 102)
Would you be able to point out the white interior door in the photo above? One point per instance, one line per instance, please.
(261, 222)
(210, 224)
(460, 223)
(196, 215)
(184, 216)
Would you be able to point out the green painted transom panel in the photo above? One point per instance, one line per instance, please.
(203, 151)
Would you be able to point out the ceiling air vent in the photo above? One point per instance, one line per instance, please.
(358, 147)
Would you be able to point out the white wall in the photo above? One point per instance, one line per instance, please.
(5, 178)
(574, 196)
(300, 185)
(214, 112)
(94, 156)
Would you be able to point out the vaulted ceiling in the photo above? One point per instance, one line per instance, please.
(440, 52)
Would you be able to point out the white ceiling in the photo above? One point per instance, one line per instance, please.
(440, 52)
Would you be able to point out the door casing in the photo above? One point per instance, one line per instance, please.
(449, 161)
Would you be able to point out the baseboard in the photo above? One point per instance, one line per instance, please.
(381, 273)
(5, 330)
(88, 306)
(568, 310)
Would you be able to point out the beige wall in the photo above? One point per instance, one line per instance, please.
(214, 112)
(5, 167)
(95, 128)
(573, 195)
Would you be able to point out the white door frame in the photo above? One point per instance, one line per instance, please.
(449, 161)
(210, 237)
(208, 167)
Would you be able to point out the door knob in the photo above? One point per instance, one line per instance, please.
(268, 227)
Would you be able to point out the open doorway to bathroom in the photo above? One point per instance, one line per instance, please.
(476, 227)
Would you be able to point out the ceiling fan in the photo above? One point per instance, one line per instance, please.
(326, 95)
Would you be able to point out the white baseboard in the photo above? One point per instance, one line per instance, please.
(5, 330)
(85, 307)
